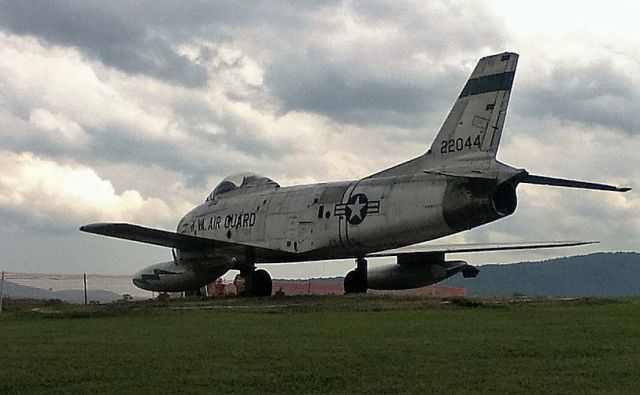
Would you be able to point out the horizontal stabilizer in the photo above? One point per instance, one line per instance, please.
(561, 182)
(487, 247)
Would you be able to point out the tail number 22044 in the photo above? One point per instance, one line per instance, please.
(459, 144)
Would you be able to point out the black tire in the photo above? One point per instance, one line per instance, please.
(355, 283)
(261, 283)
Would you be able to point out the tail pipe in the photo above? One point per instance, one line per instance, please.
(470, 202)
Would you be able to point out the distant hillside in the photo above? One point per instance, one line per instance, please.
(597, 275)
(16, 291)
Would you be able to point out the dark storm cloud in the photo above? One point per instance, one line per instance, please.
(400, 63)
(599, 93)
(303, 72)
(381, 85)
(437, 27)
(224, 132)
(212, 143)
(196, 163)
(396, 82)
(104, 31)
(198, 158)
(341, 92)
(119, 144)
(141, 37)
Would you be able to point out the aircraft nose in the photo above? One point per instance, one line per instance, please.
(139, 281)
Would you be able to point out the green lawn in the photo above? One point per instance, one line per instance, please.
(328, 345)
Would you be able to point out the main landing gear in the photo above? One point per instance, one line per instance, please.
(253, 282)
(356, 280)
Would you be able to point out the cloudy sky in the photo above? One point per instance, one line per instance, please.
(132, 111)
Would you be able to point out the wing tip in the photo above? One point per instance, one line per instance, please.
(91, 227)
(96, 227)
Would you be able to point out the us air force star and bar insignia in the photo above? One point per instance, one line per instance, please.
(357, 208)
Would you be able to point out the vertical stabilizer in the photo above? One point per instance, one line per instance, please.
(469, 138)
(472, 130)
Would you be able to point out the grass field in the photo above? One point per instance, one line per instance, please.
(363, 344)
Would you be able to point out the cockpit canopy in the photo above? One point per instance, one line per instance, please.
(241, 181)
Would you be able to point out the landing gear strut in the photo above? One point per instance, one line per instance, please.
(255, 282)
(356, 280)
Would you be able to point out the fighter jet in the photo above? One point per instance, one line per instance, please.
(457, 184)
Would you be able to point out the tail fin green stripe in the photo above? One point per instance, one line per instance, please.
(489, 83)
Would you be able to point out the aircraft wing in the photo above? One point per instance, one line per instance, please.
(148, 235)
(164, 238)
(487, 247)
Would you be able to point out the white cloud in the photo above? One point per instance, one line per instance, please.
(60, 81)
(47, 194)
(60, 128)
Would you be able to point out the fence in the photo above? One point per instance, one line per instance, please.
(88, 288)
(70, 287)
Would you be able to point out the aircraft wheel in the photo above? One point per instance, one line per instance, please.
(261, 283)
(355, 282)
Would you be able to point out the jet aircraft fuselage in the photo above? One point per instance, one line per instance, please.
(345, 219)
